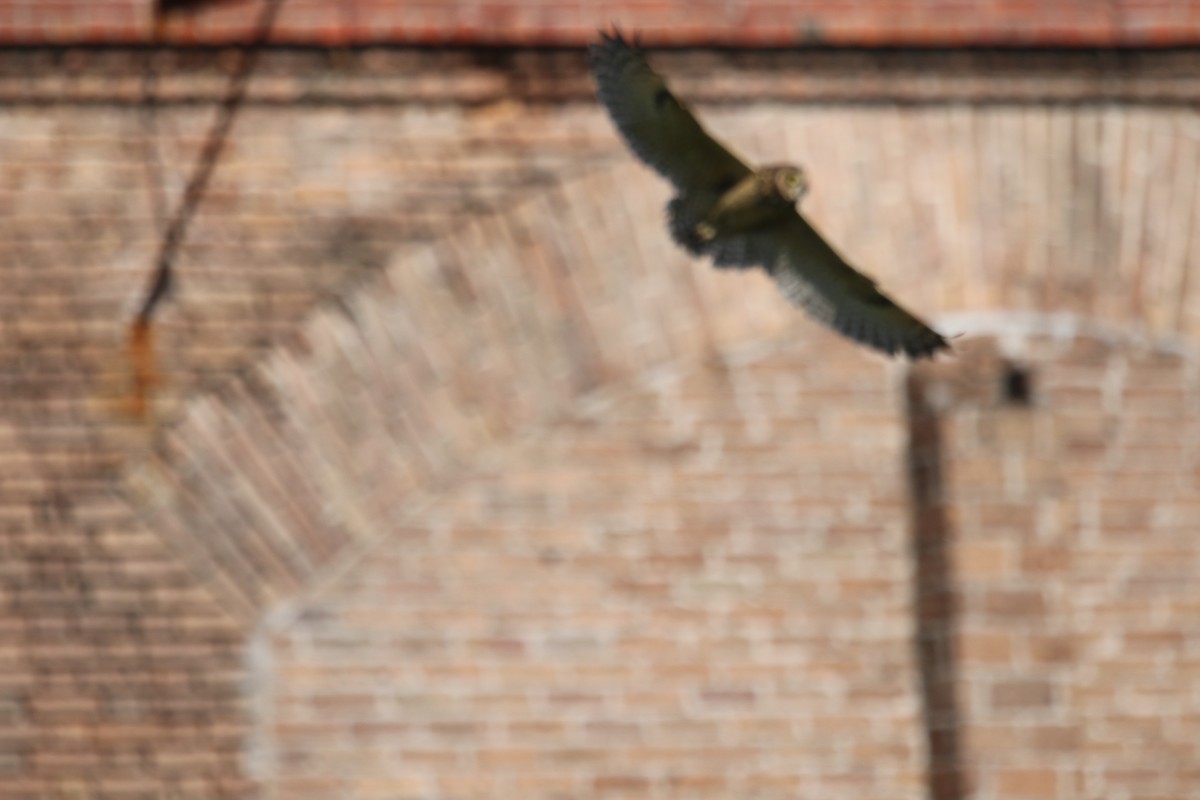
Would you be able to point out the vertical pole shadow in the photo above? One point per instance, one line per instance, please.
(933, 595)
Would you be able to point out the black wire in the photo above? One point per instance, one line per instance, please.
(207, 160)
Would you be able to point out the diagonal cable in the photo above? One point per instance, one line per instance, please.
(209, 156)
(141, 344)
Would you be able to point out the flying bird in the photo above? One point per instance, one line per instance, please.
(742, 216)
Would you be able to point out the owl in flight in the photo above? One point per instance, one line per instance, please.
(744, 217)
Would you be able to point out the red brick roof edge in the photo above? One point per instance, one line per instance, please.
(750, 23)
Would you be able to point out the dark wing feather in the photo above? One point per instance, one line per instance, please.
(812, 275)
(657, 126)
(742, 250)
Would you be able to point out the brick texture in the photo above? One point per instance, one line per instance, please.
(1075, 556)
(125, 645)
(121, 675)
(676, 22)
(698, 588)
(433, 365)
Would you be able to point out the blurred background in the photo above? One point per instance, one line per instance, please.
(363, 434)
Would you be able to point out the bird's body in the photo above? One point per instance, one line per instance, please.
(745, 217)
(762, 198)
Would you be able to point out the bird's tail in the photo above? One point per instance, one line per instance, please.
(684, 215)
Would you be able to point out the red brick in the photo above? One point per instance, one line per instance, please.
(623, 785)
(1022, 694)
(984, 647)
(756, 23)
(1028, 783)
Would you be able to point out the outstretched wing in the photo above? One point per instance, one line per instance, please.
(658, 127)
(812, 275)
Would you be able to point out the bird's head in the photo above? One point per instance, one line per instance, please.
(791, 182)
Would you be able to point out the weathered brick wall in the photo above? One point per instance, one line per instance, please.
(119, 675)
(422, 374)
(525, 22)
(698, 587)
(549, 300)
(1075, 557)
(123, 652)
(304, 200)
(448, 352)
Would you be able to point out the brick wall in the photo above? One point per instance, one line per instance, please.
(342, 385)
(528, 616)
(1075, 558)
(697, 588)
(526, 22)
(124, 655)
(121, 677)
